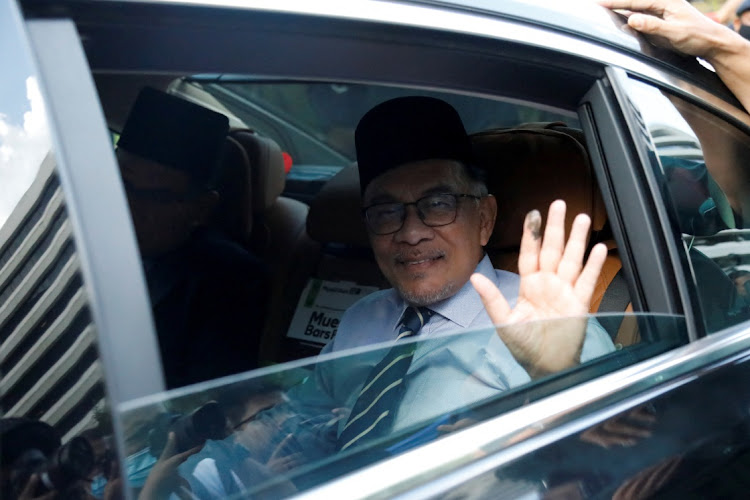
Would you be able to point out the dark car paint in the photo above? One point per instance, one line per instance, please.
(702, 418)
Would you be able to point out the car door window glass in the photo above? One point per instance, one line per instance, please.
(704, 161)
(52, 397)
(279, 430)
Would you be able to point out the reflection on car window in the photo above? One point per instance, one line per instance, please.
(315, 122)
(705, 162)
(52, 398)
(284, 429)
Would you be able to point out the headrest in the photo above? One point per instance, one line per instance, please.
(175, 133)
(266, 167)
(530, 166)
(234, 214)
(408, 129)
(527, 167)
(335, 213)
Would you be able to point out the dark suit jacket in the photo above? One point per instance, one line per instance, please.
(209, 304)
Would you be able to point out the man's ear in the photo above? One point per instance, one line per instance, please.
(205, 205)
(487, 216)
(737, 23)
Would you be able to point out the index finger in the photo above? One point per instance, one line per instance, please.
(651, 6)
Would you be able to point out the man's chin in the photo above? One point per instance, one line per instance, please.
(425, 297)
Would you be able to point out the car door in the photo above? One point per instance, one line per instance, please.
(68, 268)
(681, 431)
(518, 62)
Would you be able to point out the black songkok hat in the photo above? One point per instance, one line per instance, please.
(175, 133)
(408, 129)
(744, 6)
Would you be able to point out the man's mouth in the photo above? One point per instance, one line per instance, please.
(420, 260)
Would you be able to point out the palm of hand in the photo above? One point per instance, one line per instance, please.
(554, 284)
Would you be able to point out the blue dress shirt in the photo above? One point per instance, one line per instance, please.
(448, 372)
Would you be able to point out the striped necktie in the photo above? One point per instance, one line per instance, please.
(373, 412)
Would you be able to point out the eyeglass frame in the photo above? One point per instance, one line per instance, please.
(421, 216)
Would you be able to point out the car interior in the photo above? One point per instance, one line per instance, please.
(528, 166)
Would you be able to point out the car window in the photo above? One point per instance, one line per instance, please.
(704, 162)
(302, 267)
(327, 113)
(283, 429)
(52, 396)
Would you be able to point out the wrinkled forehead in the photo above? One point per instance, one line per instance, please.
(411, 181)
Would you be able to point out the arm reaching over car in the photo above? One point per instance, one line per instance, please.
(684, 28)
(554, 284)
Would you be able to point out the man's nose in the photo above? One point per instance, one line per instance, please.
(414, 230)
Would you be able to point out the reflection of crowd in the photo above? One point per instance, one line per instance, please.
(36, 464)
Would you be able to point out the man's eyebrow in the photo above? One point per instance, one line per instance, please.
(439, 189)
(387, 198)
(381, 198)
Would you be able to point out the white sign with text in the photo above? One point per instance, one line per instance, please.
(321, 307)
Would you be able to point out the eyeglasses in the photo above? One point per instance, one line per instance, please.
(433, 210)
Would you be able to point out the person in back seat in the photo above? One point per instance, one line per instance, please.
(207, 292)
(429, 215)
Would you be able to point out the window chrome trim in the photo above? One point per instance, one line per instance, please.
(426, 471)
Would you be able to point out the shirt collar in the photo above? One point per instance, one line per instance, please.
(464, 305)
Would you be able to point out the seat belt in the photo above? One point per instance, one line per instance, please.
(615, 300)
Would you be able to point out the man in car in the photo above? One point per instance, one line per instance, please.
(429, 215)
(207, 292)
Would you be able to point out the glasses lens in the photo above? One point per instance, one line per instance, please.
(385, 218)
(438, 209)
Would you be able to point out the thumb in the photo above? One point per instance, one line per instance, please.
(497, 307)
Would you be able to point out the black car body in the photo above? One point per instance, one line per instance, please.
(666, 415)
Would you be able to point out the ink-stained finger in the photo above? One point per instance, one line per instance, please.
(531, 242)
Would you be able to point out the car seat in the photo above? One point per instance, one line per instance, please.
(530, 166)
(276, 233)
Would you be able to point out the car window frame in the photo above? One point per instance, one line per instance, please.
(76, 182)
(99, 216)
(683, 285)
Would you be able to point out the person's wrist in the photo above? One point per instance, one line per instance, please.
(726, 44)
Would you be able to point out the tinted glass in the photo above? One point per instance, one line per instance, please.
(315, 122)
(705, 162)
(282, 429)
(51, 396)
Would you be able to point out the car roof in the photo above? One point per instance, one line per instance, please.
(577, 19)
